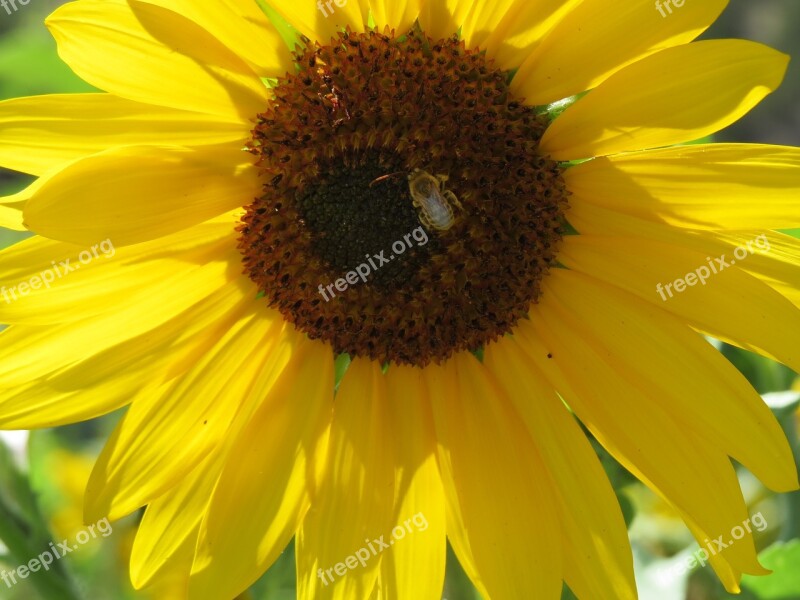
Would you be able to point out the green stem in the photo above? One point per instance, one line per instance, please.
(51, 584)
(792, 499)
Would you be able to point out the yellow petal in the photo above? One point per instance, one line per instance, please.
(48, 282)
(149, 54)
(678, 369)
(676, 95)
(457, 533)
(700, 187)
(521, 29)
(712, 298)
(484, 17)
(510, 29)
(442, 19)
(41, 133)
(136, 193)
(242, 27)
(11, 216)
(513, 531)
(777, 262)
(172, 579)
(456, 529)
(320, 20)
(174, 519)
(728, 575)
(658, 443)
(415, 566)
(353, 511)
(267, 484)
(577, 56)
(399, 15)
(171, 524)
(161, 438)
(76, 371)
(776, 265)
(507, 29)
(597, 555)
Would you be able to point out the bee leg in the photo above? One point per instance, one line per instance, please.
(452, 199)
(423, 218)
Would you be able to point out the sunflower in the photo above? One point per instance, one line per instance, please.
(366, 272)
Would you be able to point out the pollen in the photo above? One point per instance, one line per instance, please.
(379, 143)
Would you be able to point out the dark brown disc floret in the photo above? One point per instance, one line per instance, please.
(407, 212)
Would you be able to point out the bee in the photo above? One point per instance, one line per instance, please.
(435, 204)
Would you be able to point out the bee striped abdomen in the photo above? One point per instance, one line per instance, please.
(434, 204)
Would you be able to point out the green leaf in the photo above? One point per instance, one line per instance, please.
(15, 494)
(784, 582)
(340, 366)
(567, 594)
(709, 139)
(289, 34)
(279, 582)
(25, 533)
(478, 354)
(457, 585)
(555, 109)
(764, 375)
(618, 475)
(627, 507)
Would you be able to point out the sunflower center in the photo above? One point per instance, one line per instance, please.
(355, 217)
(406, 212)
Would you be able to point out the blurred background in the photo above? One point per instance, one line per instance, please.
(43, 473)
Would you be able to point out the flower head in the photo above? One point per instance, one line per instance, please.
(478, 207)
